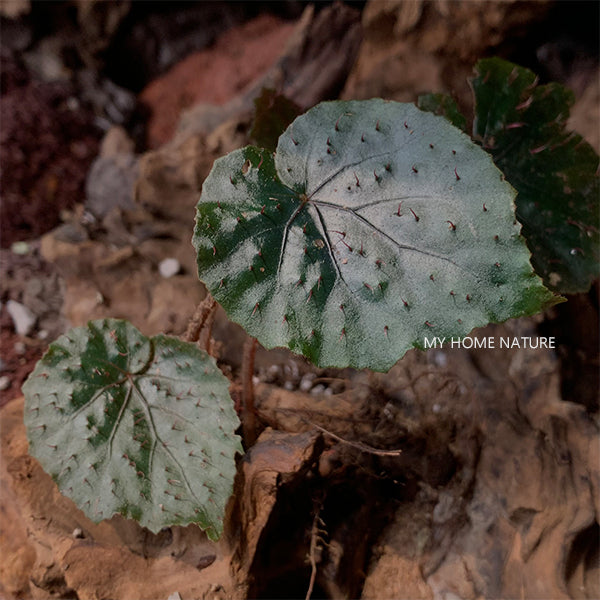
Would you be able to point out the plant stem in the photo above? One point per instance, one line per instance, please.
(248, 411)
(205, 340)
(200, 325)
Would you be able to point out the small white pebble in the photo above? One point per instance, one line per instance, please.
(436, 408)
(174, 596)
(20, 248)
(272, 373)
(43, 334)
(169, 267)
(439, 358)
(77, 533)
(288, 385)
(20, 348)
(387, 411)
(23, 319)
(87, 218)
(274, 370)
(4, 383)
(73, 103)
(307, 381)
(318, 389)
(291, 370)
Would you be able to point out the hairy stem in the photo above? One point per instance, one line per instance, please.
(200, 326)
(248, 410)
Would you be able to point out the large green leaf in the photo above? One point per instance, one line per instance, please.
(555, 172)
(444, 105)
(136, 426)
(375, 226)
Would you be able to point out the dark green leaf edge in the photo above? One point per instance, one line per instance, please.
(561, 230)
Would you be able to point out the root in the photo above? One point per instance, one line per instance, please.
(316, 540)
(358, 445)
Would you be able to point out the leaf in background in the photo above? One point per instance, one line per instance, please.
(374, 226)
(143, 427)
(554, 171)
(273, 112)
(445, 106)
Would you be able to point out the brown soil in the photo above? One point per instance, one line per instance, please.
(47, 144)
(214, 75)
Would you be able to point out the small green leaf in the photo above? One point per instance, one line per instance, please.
(375, 226)
(143, 427)
(523, 126)
(445, 106)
